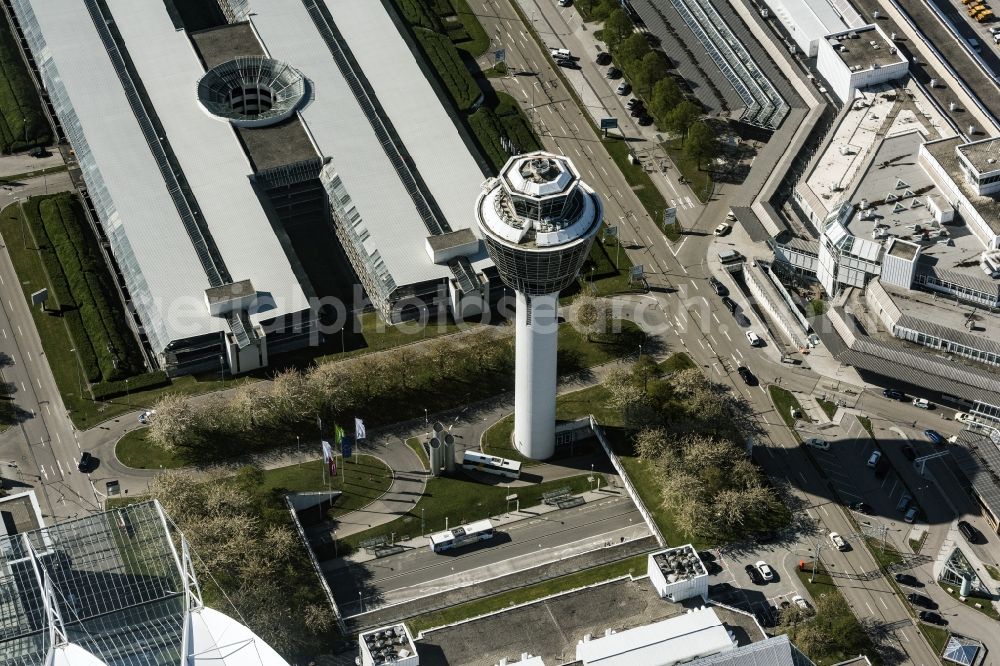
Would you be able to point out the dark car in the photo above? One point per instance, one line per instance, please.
(603, 58)
(645, 120)
(718, 287)
(637, 112)
(909, 452)
(86, 462)
(634, 102)
(753, 574)
(907, 579)
(921, 600)
(706, 556)
(765, 618)
(934, 437)
(861, 507)
(931, 617)
(748, 377)
(971, 534)
(893, 394)
(567, 63)
(613, 73)
(729, 303)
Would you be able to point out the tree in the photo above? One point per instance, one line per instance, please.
(176, 423)
(630, 52)
(617, 28)
(700, 143)
(666, 94)
(653, 68)
(681, 117)
(652, 443)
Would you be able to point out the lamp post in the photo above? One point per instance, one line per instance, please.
(128, 398)
(79, 374)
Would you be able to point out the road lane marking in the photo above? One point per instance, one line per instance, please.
(23, 388)
(47, 411)
(39, 382)
(725, 333)
(58, 438)
(700, 342)
(716, 319)
(716, 366)
(883, 603)
(674, 252)
(619, 193)
(44, 473)
(870, 609)
(714, 343)
(604, 170)
(761, 387)
(20, 331)
(695, 284)
(61, 472)
(825, 512)
(649, 239)
(587, 146)
(29, 354)
(736, 350)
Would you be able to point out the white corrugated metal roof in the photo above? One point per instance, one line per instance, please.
(343, 133)
(209, 153)
(162, 250)
(675, 640)
(807, 20)
(430, 136)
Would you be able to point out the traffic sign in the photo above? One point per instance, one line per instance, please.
(609, 123)
(500, 55)
(669, 216)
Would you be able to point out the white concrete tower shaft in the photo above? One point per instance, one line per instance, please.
(538, 220)
(536, 346)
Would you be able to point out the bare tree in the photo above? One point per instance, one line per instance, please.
(651, 443)
(176, 422)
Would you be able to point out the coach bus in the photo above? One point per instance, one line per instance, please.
(481, 530)
(481, 462)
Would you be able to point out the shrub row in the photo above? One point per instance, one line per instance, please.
(91, 287)
(449, 66)
(415, 13)
(507, 120)
(22, 123)
(60, 293)
(143, 382)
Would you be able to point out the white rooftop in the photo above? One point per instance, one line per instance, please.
(672, 641)
(341, 132)
(808, 20)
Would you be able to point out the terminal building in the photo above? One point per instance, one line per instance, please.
(203, 152)
(111, 588)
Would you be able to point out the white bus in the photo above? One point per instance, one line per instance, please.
(491, 464)
(481, 530)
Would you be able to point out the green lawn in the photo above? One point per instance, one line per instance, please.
(633, 566)
(917, 544)
(641, 183)
(866, 423)
(478, 41)
(699, 179)
(829, 408)
(992, 571)
(418, 448)
(461, 500)
(361, 481)
(135, 450)
(784, 402)
(936, 636)
(607, 269)
(845, 621)
(986, 607)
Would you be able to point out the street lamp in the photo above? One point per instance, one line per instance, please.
(128, 398)
(79, 374)
(426, 421)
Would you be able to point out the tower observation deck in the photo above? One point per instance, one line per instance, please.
(539, 220)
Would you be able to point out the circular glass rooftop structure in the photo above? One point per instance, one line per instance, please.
(251, 91)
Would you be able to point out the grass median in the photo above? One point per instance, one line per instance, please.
(785, 403)
(843, 635)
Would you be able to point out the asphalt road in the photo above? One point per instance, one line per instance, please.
(517, 546)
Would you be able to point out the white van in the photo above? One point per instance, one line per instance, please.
(873, 460)
(754, 339)
(560, 54)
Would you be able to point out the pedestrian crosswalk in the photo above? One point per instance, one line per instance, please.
(682, 203)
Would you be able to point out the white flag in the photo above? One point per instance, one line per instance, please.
(359, 428)
(327, 451)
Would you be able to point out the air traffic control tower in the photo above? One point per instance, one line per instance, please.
(539, 221)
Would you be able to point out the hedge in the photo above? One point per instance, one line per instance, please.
(144, 382)
(448, 64)
(507, 120)
(22, 123)
(84, 288)
(415, 13)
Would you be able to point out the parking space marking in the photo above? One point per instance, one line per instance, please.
(804, 480)
(870, 609)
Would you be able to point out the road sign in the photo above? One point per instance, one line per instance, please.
(346, 445)
(611, 232)
(669, 216)
(39, 297)
(511, 498)
(609, 123)
(637, 273)
(500, 55)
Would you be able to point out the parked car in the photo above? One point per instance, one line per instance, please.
(645, 120)
(146, 416)
(909, 452)
(729, 303)
(921, 600)
(637, 111)
(613, 73)
(766, 572)
(603, 58)
(874, 458)
(567, 63)
(922, 403)
(623, 88)
(964, 417)
(754, 339)
(911, 514)
(818, 443)
(749, 378)
(894, 394)
(722, 229)
(753, 574)
(931, 617)
(560, 53)
(800, 602)
(565, 3)
(86, 462)
(907, 579)
(934, 437)
(718, 287)
(862, 507)
(838, 541)
(971, 534)
(904, 502)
